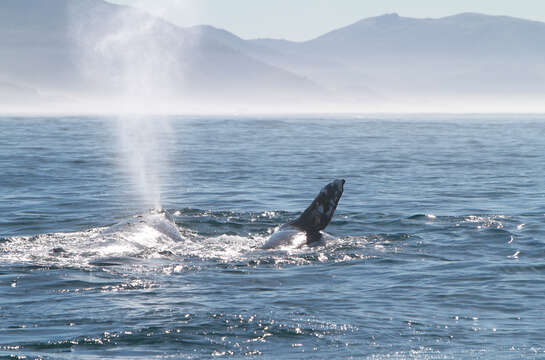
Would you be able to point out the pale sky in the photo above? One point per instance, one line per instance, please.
(305, 19)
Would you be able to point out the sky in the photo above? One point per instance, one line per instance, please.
(300, 20)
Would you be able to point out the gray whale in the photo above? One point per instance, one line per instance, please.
(158, 220)
(307, 228)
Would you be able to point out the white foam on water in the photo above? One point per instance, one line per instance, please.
(155, 235)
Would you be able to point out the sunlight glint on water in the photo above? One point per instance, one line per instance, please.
(437, 253)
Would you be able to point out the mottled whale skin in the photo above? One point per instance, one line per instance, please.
(307, 228)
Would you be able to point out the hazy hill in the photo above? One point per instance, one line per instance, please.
(91, 49)
(471, 53)
(94, 49)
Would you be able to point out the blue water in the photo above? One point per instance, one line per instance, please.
(439, 249)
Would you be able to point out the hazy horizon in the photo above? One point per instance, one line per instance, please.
(101, 58)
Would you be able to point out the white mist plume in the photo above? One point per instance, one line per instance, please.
(133, 59)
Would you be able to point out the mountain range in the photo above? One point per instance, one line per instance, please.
(91, 51)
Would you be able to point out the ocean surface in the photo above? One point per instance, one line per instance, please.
(439, 249)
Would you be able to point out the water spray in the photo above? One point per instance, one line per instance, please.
(134, 59)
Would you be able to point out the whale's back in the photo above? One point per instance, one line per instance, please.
(286, 238)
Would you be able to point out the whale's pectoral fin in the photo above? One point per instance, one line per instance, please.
(318, 215)
(313, 237)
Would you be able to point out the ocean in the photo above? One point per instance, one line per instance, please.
(438, 250)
